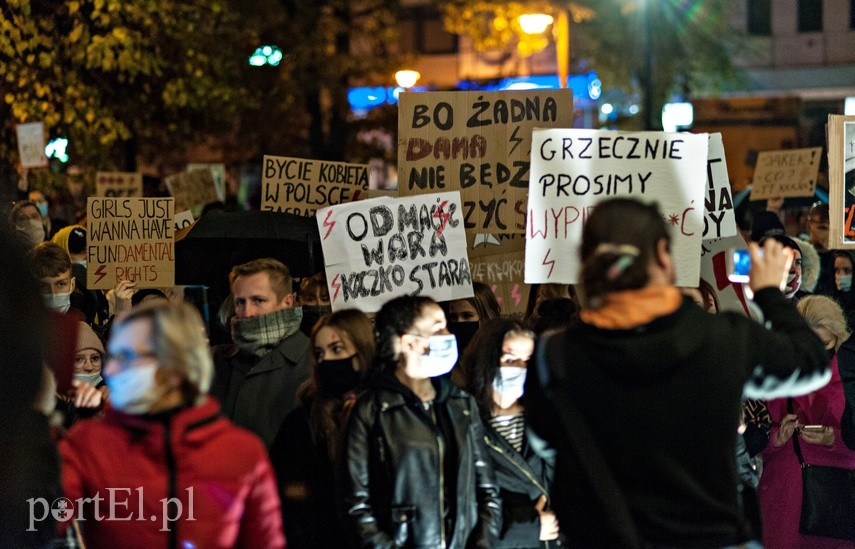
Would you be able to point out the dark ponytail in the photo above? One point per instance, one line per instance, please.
(618, 243)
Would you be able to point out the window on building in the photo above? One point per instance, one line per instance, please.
(760, 17)
(810, 16)
(421, 31)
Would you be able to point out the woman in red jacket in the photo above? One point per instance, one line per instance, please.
(163, 467)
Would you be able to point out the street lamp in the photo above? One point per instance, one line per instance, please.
(407, 78)
(536, 23)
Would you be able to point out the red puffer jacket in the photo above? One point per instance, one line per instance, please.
(190, 479)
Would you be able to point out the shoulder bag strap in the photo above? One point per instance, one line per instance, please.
(796, 446)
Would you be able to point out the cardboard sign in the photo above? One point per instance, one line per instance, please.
(499, 262)
(299, 186)
(478, 143)
(191, 189)
(31, 144)
(719, 215)
(790, 172)
(130, 239)
(183, 220)
(378, 249)
(729, 296)
(218, 172)
(119, 184)
(573, 170)
(841, 182)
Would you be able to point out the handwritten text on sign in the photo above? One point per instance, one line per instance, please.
(573, 170)
(191, 189)
(382, 248)
(478, 143)
(719, 217)
(299, 186)
(118, 184)
(130, 239)
(31, 144)
(790, 172)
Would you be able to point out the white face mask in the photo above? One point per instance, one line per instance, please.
(60, 303)
(509, 384)
(134, 390)
(844, 282)
(440, 359)
(91, 379)
(31, 230)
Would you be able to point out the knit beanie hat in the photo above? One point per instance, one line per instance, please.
(69, 239)
(88, 339)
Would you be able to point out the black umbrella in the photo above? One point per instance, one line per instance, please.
(220, 240)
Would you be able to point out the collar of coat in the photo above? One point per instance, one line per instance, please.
(633, 308)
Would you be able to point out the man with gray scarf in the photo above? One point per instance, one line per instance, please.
(256, 378)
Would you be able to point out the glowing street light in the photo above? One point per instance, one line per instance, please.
(536, 23)
(407, 78)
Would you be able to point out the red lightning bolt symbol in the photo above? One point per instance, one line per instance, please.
(550, 262)
(337, 285)
(515, 293)
(329, 224)
(442, 216)
(100, 272)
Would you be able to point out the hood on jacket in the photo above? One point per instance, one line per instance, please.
(810, 265)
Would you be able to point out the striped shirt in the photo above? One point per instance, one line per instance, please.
(511, 428)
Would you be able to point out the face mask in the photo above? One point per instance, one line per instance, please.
(43, 208)
(60, 303)
(91, 379)
(82, 262)
(32, 231)
(792, 286)
(336, 377)
(311, 315)
(464, 332)
(133, 390)
(844, 282)
(441, 357)
(509, 384)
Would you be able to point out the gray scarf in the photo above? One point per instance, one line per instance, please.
(258, 335)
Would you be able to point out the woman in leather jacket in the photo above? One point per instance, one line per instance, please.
(416, 472)
(495, 366)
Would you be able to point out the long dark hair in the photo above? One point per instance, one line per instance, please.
(395, 318)
(480, 362)
(618, 243)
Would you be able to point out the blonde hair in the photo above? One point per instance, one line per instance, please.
(823, 312)
(179, 342)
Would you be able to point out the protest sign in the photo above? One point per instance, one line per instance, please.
(382, 248)
(183, 220)
(573, 170)
(729, 296)
(118, 184)
(478, 143)
(130, 239)
(790, 172)
(218, 172)
(499, 262)
(191, 189)
(300, 186)
(31, 144)
(841, 182)
(719, 216)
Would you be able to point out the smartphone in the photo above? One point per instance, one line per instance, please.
(813, 428)
(738, 265)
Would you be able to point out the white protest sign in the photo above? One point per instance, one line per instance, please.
(183, 220)
(31, 144)
(382, 248)
(790, 172)
(130, 239)
(300, 186)
(218, 172)
(573, 170)
(117, 184)
(719, 215)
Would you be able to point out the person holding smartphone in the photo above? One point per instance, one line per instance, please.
(813, 418)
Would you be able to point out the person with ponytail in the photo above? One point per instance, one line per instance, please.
(641, 398)
(415, 472)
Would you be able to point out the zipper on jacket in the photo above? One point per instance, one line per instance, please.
(173, 481)
(441, 476)
(517, 465)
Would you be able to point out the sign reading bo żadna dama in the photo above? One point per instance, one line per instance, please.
(382, 248)
(300, 186)
(130, 239)
(573, 170)
(478, 143)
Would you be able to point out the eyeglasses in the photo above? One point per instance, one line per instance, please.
(81, 360)
(126, 356)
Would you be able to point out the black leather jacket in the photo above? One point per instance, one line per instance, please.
(394, 476)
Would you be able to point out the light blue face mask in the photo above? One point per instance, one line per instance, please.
(134, 390)
(60, 303)
(81, 262)
(91, 379)
(441, 356)
(42, 207)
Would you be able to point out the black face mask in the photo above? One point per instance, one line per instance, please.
(336, 377)
(464, 332)
(311, 315)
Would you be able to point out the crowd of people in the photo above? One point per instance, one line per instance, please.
(616, 413)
